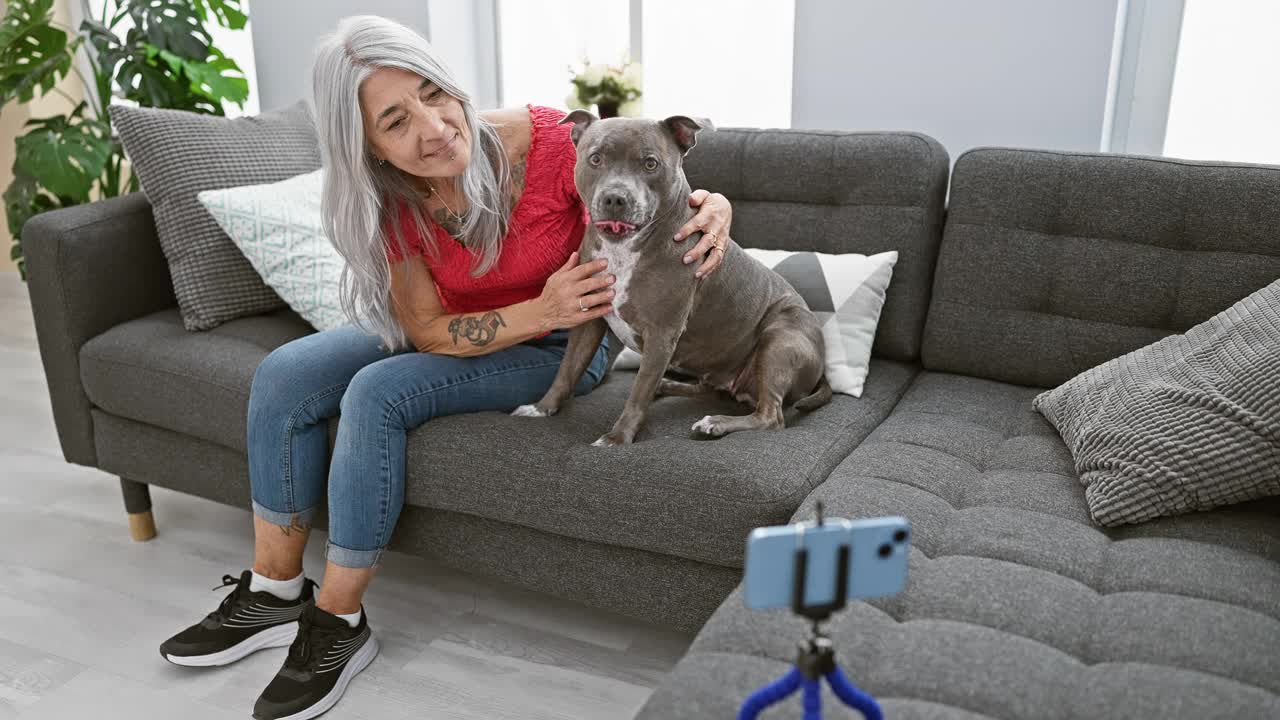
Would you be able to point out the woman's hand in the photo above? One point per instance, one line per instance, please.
(713, 219)
(571, 296)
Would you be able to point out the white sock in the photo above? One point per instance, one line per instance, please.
(283, 589)
(353, 619)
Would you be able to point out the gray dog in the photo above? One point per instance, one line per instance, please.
(742, 329)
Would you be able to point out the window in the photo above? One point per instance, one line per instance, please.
(1225, 103)
(542, 39)
(707, 58)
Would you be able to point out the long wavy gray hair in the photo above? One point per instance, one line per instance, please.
(359, 196)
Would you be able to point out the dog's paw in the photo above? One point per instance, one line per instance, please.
(611, 439)
(529, 411)
(708, 427)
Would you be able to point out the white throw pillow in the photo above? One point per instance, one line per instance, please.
(277, 227)
(846, 293)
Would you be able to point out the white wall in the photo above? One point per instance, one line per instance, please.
(1032, 73)
(285, 33)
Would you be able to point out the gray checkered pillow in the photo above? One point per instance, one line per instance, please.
(177, 154)
(1188, 423)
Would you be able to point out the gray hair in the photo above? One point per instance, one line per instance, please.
(360, 197)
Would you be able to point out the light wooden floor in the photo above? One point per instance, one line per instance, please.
(83, 608)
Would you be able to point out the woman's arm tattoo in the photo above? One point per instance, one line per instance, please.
(479, 330)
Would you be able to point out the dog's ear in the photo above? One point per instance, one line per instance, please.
(581, 120)
(685, 130)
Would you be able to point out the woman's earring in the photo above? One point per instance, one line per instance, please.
(382, 161)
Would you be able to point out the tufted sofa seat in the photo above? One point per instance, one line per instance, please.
(1017, 605)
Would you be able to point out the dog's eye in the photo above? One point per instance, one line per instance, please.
(650, 164)
(594, 159)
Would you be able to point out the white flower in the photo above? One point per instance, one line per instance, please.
(631, 108)
(633, 75)
(593, 74)
(573, 102)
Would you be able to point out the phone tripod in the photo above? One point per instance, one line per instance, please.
(816, 659)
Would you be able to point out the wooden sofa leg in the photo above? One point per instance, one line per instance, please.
(137, 502)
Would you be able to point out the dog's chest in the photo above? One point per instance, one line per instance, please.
(622, 262)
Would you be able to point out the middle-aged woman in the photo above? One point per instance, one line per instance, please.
(460, 230)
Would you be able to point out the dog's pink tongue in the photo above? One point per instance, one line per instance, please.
(617, 227)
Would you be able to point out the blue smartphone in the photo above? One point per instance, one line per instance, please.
(876, 565)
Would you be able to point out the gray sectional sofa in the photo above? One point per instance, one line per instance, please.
(1042, 265)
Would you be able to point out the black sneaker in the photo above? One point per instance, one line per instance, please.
(244, 623)
(322, 661)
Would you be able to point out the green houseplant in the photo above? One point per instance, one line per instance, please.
(166, 59)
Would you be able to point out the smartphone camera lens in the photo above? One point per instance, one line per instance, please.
(886, 550)
(899, 536)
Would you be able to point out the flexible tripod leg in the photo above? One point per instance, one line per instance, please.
(812, 699)
(852, 696)
(770, 694)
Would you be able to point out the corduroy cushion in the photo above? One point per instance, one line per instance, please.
(176, 154)
(1188, 423)
(1016, 605)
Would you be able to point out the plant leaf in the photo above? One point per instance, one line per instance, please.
(227, 12)
(24, 200)
(33, 53)
(172, 25)
(66, 154)
(207, 78)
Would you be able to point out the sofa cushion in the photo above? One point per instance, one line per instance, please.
(176, 154)
(1188, 423)
(1016, 605)
(667, 493)
(1054, 262)
(837, 192)
(154, 370)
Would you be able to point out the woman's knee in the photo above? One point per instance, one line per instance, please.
(316, 363)
(276, 378)
(371, 390)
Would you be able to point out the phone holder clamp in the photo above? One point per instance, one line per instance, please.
(816, 659)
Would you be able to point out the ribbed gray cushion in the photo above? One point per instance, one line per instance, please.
(176, 154)
(837, 192)
(1188, 423)
(1053, 262)
(1017, 605)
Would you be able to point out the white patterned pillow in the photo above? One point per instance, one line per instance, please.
(277, 227)
(846, 293)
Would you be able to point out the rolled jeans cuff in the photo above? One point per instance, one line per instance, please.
(349, 558)
(285, 519)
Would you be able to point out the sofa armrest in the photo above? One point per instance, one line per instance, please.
(90, 267)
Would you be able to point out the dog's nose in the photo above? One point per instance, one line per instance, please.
(614, 201)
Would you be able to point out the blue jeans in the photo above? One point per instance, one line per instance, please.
(381, 397)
